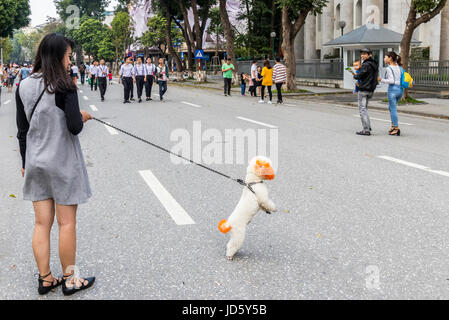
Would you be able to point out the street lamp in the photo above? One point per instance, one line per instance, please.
(272, 35)
(342, 25)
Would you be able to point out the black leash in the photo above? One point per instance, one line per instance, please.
(239, 181)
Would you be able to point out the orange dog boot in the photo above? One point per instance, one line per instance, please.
(222, 226)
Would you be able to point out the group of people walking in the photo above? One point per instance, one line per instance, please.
(260, 79)
(144, 75)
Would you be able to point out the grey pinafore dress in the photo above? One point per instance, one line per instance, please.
(55, 166)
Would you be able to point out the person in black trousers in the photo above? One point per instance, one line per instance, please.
(82, 70)
(93, 76)
(139, 77)
(126, 74)
(150, 71)
(103, 72)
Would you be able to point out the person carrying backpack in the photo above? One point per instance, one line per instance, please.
(393, 78)
(368, 77)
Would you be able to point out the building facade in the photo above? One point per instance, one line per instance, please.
(391, 14)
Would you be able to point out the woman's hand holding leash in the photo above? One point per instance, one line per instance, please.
(86, 116)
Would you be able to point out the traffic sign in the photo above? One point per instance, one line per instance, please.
(199, 54)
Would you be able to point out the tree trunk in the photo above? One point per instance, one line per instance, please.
(289, 50)
(229, 36)
(170, 48)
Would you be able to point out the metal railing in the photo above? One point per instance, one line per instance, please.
(430, 74)
(318, 69)
(312, 69)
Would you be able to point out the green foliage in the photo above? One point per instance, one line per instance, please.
(155, 35)
(296, 6)
(90, 8)
(14, 14)
(256, 42)
(425, 6)
(106, 49)
(215, 26)
(121, 31)
(6, 45)
(90, 34)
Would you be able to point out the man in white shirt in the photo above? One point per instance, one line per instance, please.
(254, 75)
(102, 74)
(93, 72)
(150, 71)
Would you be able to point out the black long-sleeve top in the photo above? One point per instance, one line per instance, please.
(67, 102)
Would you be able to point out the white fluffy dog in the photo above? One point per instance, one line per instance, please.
(254, 198)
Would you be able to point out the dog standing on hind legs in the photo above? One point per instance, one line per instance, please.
(254, 198)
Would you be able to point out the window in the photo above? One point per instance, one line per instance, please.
(386, 12)
(358, 14)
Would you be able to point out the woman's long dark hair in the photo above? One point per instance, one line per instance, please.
(395, 57)
(49, 62)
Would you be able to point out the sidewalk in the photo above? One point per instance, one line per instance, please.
(434, 106)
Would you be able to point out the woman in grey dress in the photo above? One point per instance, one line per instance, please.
(56, 181)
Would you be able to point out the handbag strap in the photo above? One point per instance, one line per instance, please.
(37, 102)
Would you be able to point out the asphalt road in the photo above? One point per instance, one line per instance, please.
(359, 217)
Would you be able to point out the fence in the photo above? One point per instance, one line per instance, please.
(313, 69)
(317, 69)
(433, 75)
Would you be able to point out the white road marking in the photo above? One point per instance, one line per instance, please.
(7, 102)
(257, 122)
(404, 123)
(415, 165)
(81, 91)
(289, 105)
(85, 98)
(174, 209)
(112, 131)
(94, 108)
(156, 95)
(191, 104)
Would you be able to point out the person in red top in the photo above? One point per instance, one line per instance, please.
(110, 77)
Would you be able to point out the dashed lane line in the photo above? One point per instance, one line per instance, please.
(191, 104)
(414, 165)
(174, 209)
(94, 108)
(258, 122)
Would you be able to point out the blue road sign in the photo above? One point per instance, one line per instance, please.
(199, 54)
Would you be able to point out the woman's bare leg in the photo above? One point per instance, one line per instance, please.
(44, 215)
(66, 216)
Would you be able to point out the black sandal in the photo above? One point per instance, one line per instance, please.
(46, 289)
(395, 132)
(74, 289)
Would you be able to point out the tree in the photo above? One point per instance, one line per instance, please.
(106, 49)
(121, 33)
(215, 26)
(229, 35)
(14, 14)
(421, 11)
(6, 46)
(294, 14)
(90, 8)
(89, 35)
(262, 18)
(155, 36)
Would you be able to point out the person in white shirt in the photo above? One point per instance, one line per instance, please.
(139, 77)
(126, 77)
(93, 73)
(395, 92)
(150, 72)
(102, 74)
(75, 72)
